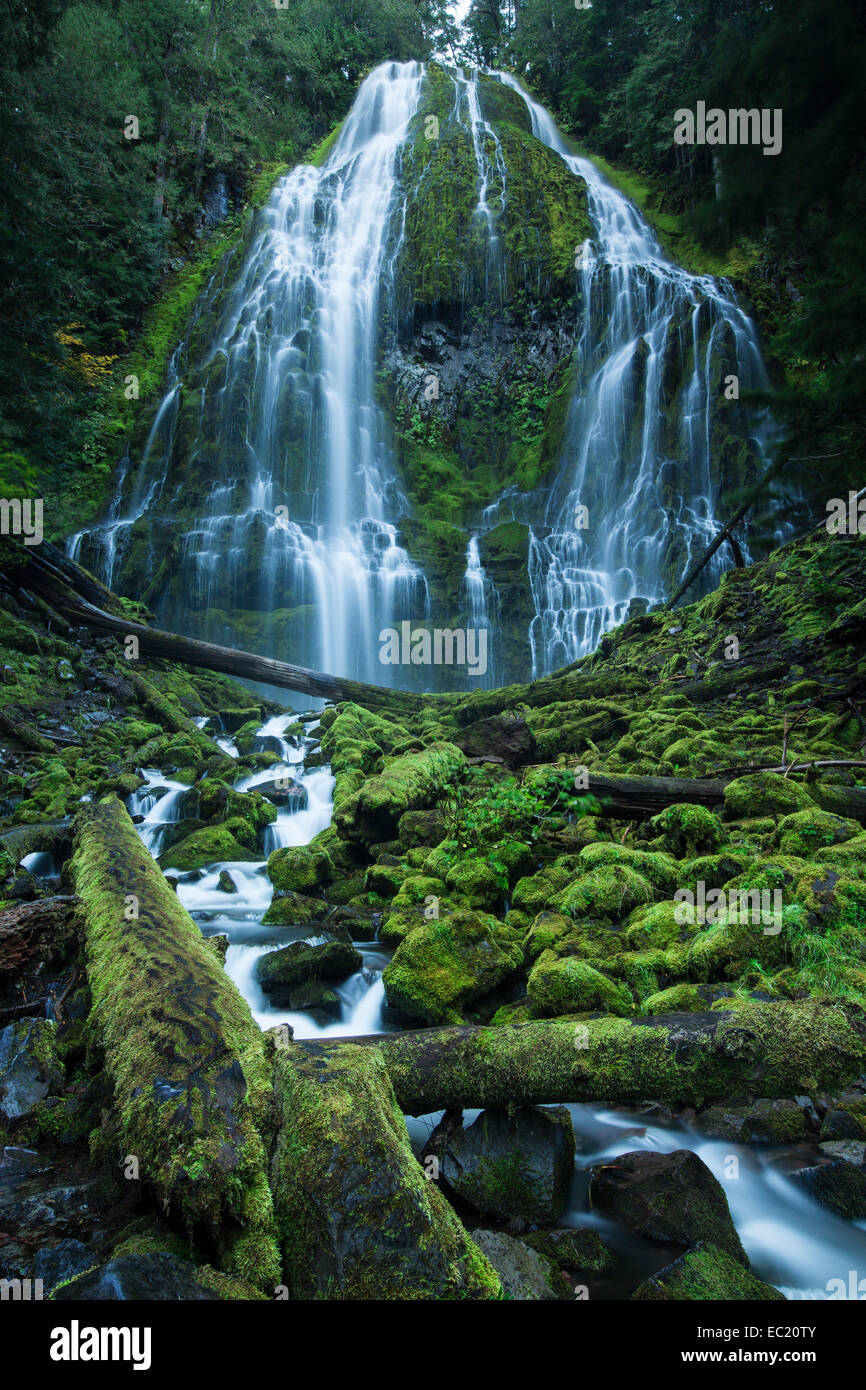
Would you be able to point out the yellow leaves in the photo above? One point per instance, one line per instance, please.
(87, 365)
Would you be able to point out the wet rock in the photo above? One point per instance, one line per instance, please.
(580, 1251)
(54, 1264)
(280, 971)
(29, 1067)
(512, 740)
(516, 1165)
(524, 1273)
(152, 1277)
(757, 1122)
(851, 1150)
(669, 1197)
(226, 882)
(300, 869)
(844, 1123)
(838, 1186)
(316, 998)
(705, 1272)
(288, 794)
(294, 910)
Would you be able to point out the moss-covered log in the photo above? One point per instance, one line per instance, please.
(759, 1049)
(358, 1218)
(188, 1064)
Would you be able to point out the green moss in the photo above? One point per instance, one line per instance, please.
(763, 792)
(611, 891)
(566, 985)
(705, 1272)
(447, 963)
(806, 831)
(300, 870)
(185, 1058)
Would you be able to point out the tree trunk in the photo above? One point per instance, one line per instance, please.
(760, 1049)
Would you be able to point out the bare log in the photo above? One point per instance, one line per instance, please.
(30, 930)
(760, 1049)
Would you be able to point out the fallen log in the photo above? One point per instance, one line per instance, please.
(71, 591)
(31, 930)
(637, 797)
(772, 1049)
(358, 1216)
(187, 1061)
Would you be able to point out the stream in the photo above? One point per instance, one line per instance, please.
(792, 1241)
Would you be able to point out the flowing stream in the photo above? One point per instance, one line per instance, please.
(791, 1241)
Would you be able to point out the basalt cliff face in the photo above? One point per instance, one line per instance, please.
(397, 392)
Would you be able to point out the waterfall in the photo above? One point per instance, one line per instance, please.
(275, 440)
(633, 505)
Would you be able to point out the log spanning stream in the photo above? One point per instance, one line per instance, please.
(792, 1242)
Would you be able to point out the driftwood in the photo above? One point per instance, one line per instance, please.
(762, 1049)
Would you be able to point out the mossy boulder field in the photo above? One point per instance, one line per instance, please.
(432, 695)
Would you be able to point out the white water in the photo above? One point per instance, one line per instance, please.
(642, 471)
(291, 385)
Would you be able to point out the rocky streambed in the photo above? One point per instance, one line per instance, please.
(558, 1085)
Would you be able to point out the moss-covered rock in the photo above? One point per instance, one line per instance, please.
(280, 971)
(447, 963)
(761, 793)
(804, 832)
(567, 985)
(511, 1165)
(611, 891)
(210, 845)
(409, 783)
(705, 1272)
(689, 830)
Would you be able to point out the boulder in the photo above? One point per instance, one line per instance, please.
(757, 1122)
(448, 962)
(511, 1165)
(670, 1197)
(512, 740)
(526, 1275)
(280, 971)
(153, 1277)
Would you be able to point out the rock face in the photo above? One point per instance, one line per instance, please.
(29, 1067)
(670, 1197)
(516, 1165)
(706, 1272)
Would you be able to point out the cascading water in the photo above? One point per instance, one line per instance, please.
(634, 502)
(283, 410)
(481, 603)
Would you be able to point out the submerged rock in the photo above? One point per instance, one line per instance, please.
(669, 1197)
